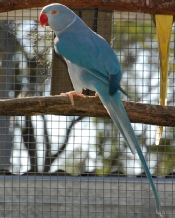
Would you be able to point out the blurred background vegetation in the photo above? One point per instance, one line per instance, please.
(74, 145)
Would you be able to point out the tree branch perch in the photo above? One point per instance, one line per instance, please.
(144, 6)
(87, 106)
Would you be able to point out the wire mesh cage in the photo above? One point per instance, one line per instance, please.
(74, 166)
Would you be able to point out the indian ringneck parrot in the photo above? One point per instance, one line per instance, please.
(93, 64)
(163, 28)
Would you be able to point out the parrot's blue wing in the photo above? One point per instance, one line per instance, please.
(92, 56)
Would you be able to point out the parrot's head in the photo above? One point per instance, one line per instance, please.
(57, 16)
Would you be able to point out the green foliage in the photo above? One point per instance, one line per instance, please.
(108, 161)
(131, 32)
(75, 162)
(166, 164)
(107, 147)
(166, 152)
(128, 35)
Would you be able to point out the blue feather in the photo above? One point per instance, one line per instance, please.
(115, 108)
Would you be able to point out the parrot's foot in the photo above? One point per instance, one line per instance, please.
(71, 96)
(96, 95)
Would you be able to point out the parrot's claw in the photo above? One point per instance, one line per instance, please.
(71, 96)
(96, 95)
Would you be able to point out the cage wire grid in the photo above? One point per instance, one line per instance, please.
(70, 166)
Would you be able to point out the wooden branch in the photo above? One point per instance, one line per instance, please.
(145, 6)
(88, 106)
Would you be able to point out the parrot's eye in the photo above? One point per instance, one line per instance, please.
(54, 12)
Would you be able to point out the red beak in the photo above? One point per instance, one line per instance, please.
(44, 19)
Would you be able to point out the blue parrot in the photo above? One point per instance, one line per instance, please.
(93, 64)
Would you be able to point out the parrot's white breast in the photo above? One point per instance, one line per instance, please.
(80, 77)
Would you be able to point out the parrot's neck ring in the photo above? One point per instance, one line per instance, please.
(60, 31)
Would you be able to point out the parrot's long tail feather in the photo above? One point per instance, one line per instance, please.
(124, 92)
(118, 114)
